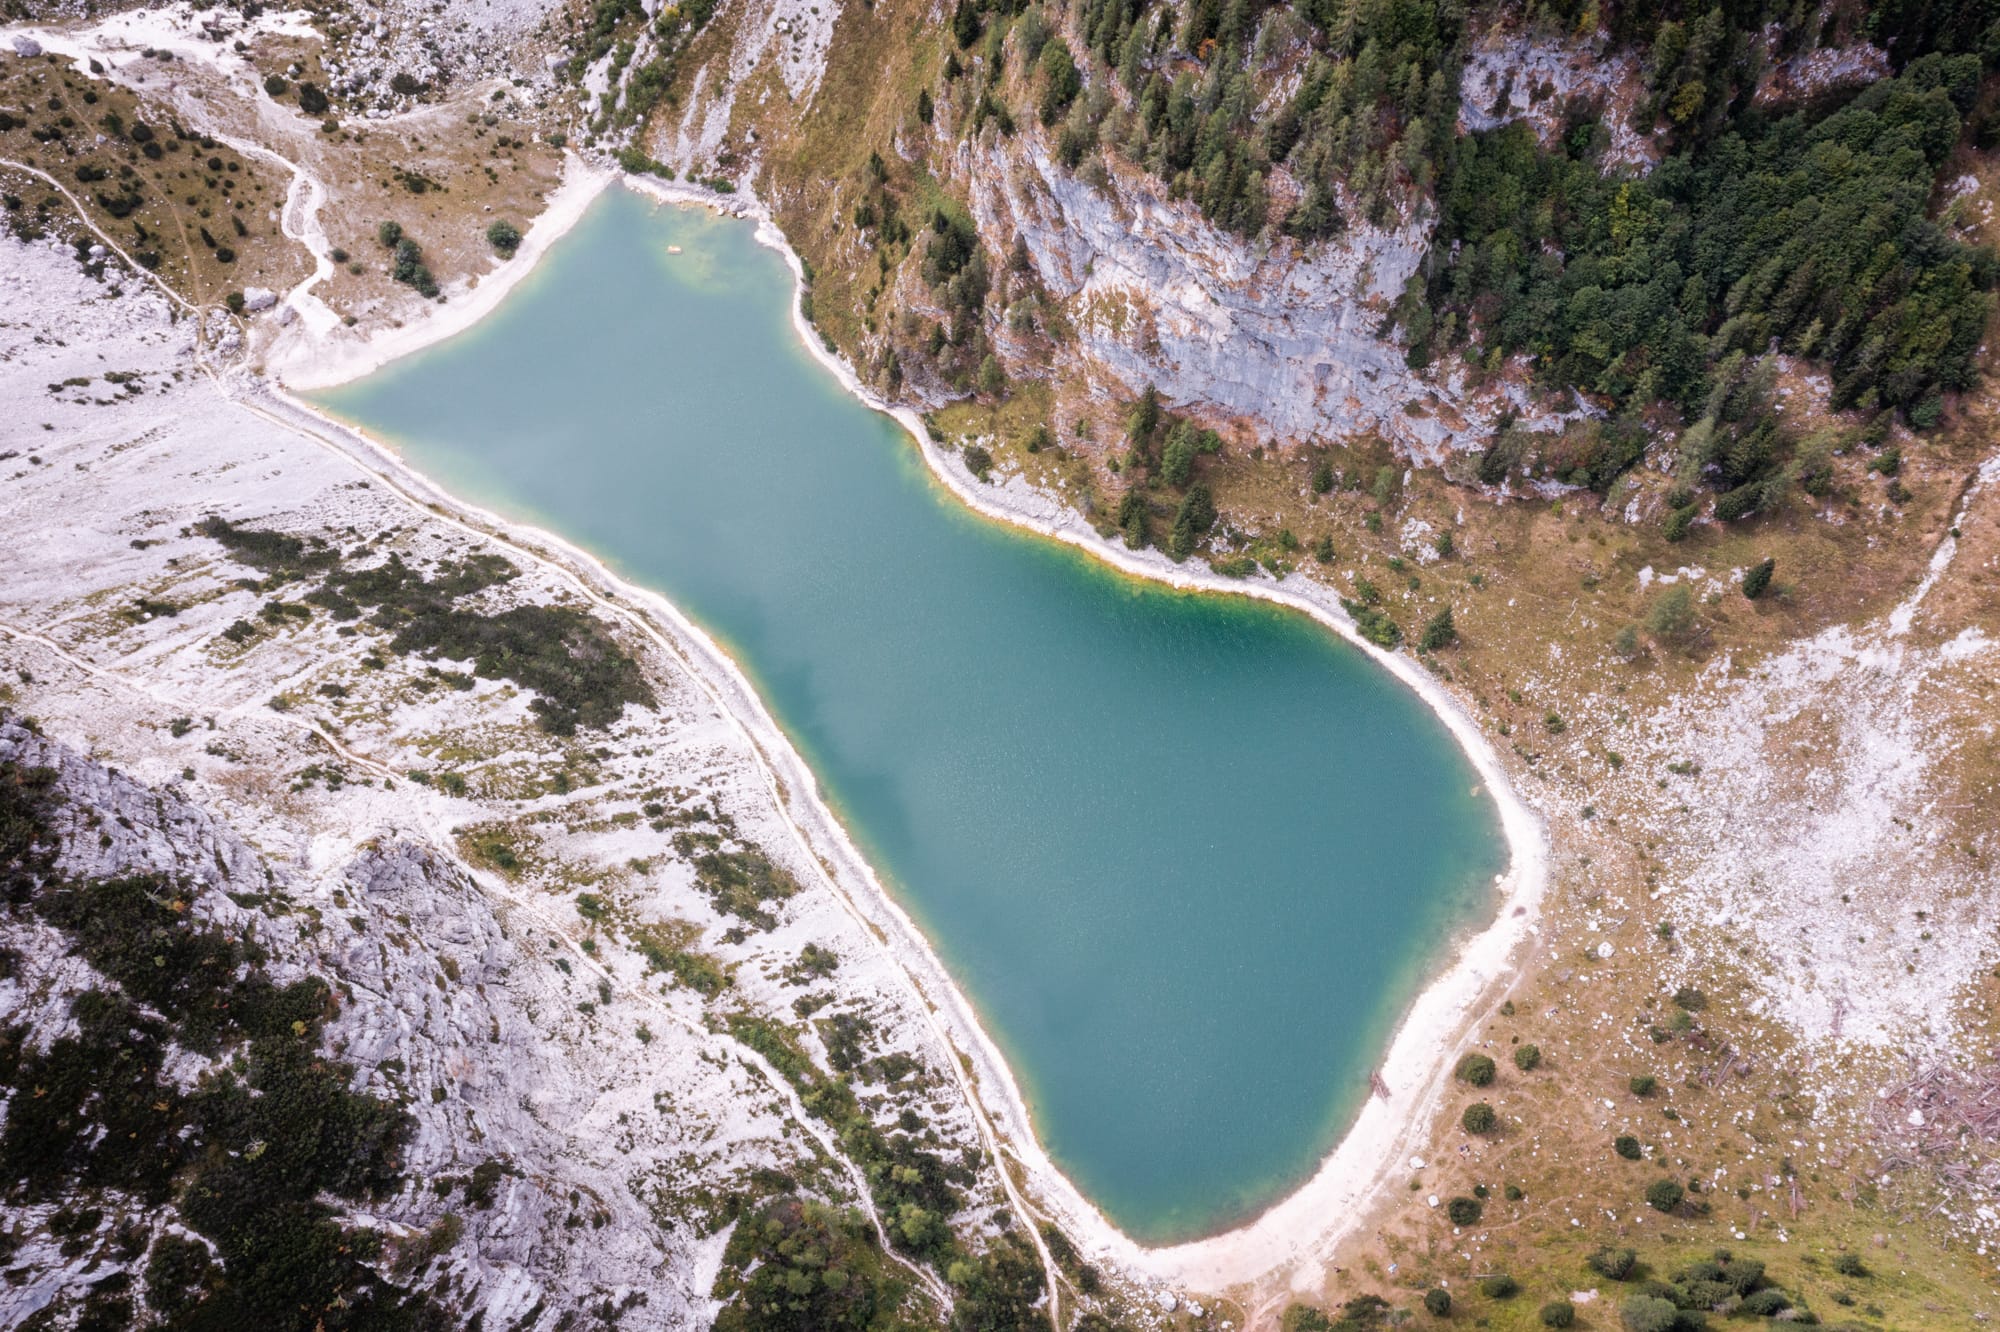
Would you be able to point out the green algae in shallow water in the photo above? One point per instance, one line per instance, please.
(1189, 855)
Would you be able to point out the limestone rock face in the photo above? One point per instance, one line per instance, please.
(1292, 340)
(453, 1010)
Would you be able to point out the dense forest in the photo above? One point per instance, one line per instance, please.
(1808, 229)
(1655, 288)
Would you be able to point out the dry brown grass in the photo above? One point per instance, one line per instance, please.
(193, 185)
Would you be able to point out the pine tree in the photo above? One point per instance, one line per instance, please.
(1439, 632)
(1145, 418)
(1758, 578)
(1132, 518)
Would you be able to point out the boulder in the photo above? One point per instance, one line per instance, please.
(259, 298)
(26, 47)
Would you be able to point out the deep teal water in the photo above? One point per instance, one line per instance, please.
(1189, 855)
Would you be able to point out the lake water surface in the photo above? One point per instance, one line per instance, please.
(1189, 855)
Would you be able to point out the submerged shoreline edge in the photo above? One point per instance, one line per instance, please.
(1302, 1226)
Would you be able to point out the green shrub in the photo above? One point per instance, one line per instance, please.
(1304, 1318)
(1613, 1264)
(978, 460)
(1743, 1275)
(311, 100)
(1649, 1313)
(737, 882)
(1478, 1118)
(1671, 617)
(1439, 632)
(1758, 578)
(1527, 1057)
(1558, 1313)
(1375, 624)
(1627, 1146)
(1322, 482)
(276, 85)
(1642, 1084)
(1464, 1211)
(389, 234)
(176, 1268)
(1690, 999)
(1475, 1069)
(1664, 1195)
(1437, 1302)
(505, 237)
(1764, 1304)
(1499, 1286)
(776, 1269)
(1850, 1265)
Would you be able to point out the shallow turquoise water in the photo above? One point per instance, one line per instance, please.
(1187, 854)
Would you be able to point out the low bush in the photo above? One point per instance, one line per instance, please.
(1664, 1195)
(1558, 1313)
(1475, 1069)
(800, 1264)
(1613, 1264)
(1478, 1118)
(1499, 1286)
(1527, 1057)
(1437, 1302)
(1439, 632)
(504, 237)
(1374, 624)
(1627, 1146)
(1649, 1313)
(1671, 617)
(739, 883)
(1764, 1304)
(1464, 1211)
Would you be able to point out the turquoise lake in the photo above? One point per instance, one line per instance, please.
(1189, 855)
